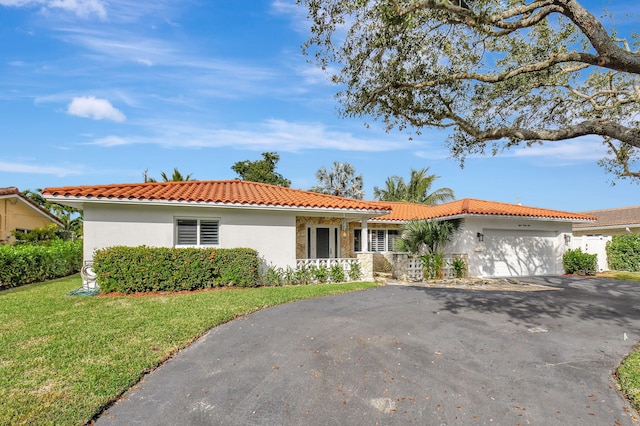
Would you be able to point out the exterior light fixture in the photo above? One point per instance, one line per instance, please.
(567, 238)
(480, 236)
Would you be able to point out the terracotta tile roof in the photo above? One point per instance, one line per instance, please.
(470, 206)
(9, 191)
(215, 192)
(619, 217)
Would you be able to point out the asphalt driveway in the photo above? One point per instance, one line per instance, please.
(406, 355)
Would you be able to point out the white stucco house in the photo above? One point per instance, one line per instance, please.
(288, 226)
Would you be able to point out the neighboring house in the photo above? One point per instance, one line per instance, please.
(19, 212)
(289, 226)
(592, 237)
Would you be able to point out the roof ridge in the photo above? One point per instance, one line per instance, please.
(611, 209)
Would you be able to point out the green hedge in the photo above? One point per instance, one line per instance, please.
(24, 264)
(577, 262)
(623, 253)
(143, 269)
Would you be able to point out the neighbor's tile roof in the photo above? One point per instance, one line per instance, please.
(9, 191)
(470, 206)
(218, 192)
(12, 190)
(623, 216)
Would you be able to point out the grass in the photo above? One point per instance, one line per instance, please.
(617, 275)
(629, 371)
(629, 378)
(63, 358)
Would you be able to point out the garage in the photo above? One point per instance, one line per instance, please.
(520, 252)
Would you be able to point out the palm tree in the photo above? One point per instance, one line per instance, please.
(341, 180)
(175, 177)
(420, 236)
(416, 191)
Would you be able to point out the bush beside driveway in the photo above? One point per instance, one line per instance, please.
(398, 355)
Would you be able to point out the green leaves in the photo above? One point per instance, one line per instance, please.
(623, 252)
(417, 190)
(146, 269)
(24, 264)
(427, 236)
(499, 74)
(577, 262)
(261, 170)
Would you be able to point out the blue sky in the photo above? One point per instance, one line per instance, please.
(97, 91)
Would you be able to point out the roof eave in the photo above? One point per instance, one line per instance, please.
(80, 201)
(485, 215)
(35, 207)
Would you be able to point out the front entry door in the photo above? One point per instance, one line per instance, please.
(323, 242)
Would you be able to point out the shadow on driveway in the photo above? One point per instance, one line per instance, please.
(595, 300)
(399, 355)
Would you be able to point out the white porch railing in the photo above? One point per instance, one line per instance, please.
(345, 263)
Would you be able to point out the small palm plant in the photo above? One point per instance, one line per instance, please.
(428, 239)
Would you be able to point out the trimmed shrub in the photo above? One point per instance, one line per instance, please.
(577, 262)
(623, 252)
(26, 263)
(144, 269)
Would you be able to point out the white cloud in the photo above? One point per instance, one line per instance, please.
(296, 12)
(82, 8)
(271, 134)
(39, 169)
(98, 109)
(110, 141)
(586, 148)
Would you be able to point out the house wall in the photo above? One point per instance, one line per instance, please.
(512, 246)
(272, 234)
(17, 214)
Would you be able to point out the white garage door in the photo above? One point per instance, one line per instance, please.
(513, 253)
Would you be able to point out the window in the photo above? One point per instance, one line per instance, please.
(379, 239)
(197, 232)
(392, 236)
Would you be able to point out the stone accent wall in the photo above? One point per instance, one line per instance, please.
(382, 262)
(400, 265)
(366, 266)
(302, 222)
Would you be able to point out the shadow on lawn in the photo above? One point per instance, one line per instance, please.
(584, 298)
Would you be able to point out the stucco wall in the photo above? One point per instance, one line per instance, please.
(16, 214)
(272, 234)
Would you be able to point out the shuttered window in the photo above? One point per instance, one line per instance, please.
(392, 236)
(379, 239)
(197, 232)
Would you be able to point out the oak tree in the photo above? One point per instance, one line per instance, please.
(498, 73)
(261, 170)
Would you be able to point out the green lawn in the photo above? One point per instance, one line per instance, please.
(629, 371)
(617, 275)
(63, 358)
